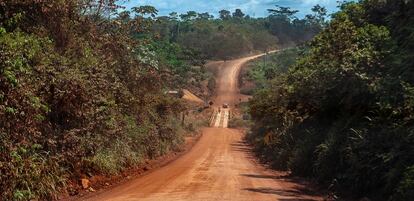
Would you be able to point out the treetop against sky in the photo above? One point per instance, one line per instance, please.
(254, 8)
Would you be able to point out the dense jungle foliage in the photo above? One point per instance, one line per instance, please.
(82, 93)
(234, 33)
(344, 112)
(82, 83)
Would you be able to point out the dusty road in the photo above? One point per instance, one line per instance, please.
(219, 167)
(227, 91)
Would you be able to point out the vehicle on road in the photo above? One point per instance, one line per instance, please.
(225, 105)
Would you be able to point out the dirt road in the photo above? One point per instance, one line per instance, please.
(219, 167)
(227, 91)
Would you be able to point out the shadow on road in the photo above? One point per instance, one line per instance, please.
(265, 176)
(298, 189)
(285, 177)
(240, 146)
(296, 199)
(295, 194)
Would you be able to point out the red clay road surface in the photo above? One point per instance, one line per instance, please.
(219, 167)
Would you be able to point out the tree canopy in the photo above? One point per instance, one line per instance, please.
(343, 112)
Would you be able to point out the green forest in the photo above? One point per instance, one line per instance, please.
(340, 108)
(83, 91)
(82, 83)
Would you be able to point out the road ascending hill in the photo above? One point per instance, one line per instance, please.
(219, 167)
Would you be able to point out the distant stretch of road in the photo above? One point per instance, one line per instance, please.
(219, 167)
(227, 90)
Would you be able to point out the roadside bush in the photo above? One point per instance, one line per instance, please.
(237, 122)
(405, 189)
(77, 97)
(31, 173)
(247, 91)
(343, 113)
(211, 85)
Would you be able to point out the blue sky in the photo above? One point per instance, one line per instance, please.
(257, 8)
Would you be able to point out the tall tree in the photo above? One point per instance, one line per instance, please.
(238, 14)
(283, 12)
(225, 14)
(173, 16)
(190, 15)
(205, 16)
(319, 15)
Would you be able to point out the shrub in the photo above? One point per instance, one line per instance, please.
(343, 113)
(405, 189)
(77, 96)
(237, 122)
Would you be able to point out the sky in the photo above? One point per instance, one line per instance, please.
(254, 8)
